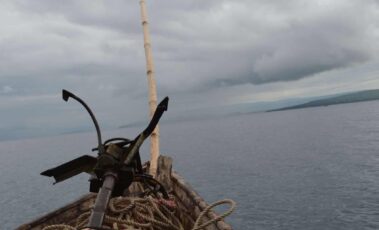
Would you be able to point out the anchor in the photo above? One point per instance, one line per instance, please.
(116, 166)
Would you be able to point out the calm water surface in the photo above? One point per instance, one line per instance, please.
(302, 169)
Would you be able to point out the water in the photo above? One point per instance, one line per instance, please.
(302, 169)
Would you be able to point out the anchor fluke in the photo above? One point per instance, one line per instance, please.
(66, 95)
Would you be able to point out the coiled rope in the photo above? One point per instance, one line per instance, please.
(145, 213)
(197, 225)
(59, 227)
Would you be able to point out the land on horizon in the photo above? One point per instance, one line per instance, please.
(353, 97)
(270, 106)
(219, 112)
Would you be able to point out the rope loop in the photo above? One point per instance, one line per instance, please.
(197, 225)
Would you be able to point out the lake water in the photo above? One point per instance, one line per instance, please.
(312, 168)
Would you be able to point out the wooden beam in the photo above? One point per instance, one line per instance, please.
(154, 139)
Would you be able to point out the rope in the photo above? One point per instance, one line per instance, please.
(111, 220)
(216, 219)
(145, 213)
(59, 226)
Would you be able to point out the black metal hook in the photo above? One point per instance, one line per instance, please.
(66, 95)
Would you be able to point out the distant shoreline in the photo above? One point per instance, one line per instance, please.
(355, 97)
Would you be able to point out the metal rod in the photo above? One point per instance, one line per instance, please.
(97, 215)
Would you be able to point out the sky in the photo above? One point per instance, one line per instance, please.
(207, 54)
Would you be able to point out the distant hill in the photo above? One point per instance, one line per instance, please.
(366, 95)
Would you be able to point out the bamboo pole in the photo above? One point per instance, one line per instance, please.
(154, 140)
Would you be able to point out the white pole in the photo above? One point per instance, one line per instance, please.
(154, 140)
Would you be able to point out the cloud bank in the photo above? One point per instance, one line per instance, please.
(203, 49)
(196, 43)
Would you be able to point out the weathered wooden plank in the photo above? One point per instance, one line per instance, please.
(164, 172)
(194, 202)
(62, 215)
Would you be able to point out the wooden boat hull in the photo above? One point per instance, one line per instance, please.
(188, 201)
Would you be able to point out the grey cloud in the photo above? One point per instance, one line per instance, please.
(201, 48)
(213, 43)
(104, 14)
(299, 43)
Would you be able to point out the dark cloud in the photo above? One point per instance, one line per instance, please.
(219, 42)
(201, 48)
(240, 45)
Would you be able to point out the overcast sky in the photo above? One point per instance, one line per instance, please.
(207, 53)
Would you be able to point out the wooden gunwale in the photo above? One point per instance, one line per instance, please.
(189, 202)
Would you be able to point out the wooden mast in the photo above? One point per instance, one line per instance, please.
(154, 140)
